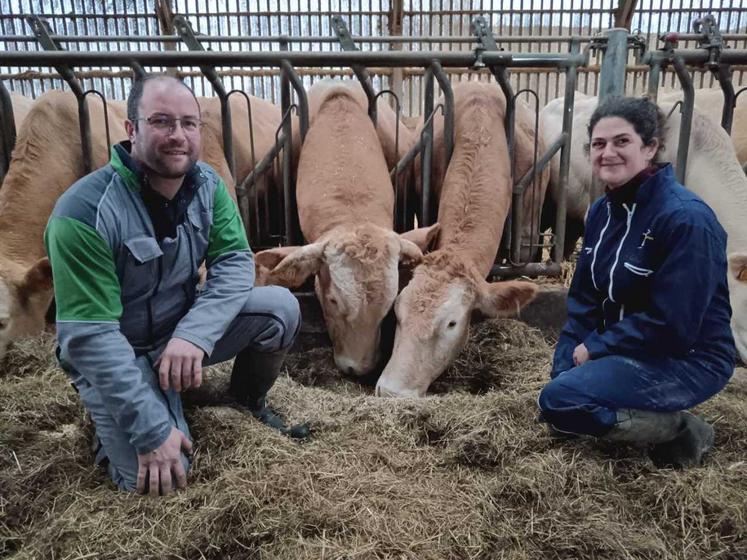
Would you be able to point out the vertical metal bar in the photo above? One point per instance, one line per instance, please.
(289, 202)
(427, 151)
(7, 131)
(443, 81)
(612, 79)
(686, 121)
(565, 155)
(723, 74)
(653, 79)
(303, 101)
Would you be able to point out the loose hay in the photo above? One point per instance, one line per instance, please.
(466, 473)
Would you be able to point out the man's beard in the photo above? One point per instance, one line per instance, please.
(160, 169)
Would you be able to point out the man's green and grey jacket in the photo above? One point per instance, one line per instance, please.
(120, 293)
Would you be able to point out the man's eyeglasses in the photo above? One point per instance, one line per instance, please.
(166, 123)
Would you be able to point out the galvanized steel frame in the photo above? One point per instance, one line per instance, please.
(432, 62)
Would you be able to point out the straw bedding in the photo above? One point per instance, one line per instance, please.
(464, 473)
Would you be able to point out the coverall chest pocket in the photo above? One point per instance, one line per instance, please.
(200, 221)
(635, 278)
(141, 266)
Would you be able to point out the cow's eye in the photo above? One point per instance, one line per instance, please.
(332, 301)
(3, 324)
(451, 324)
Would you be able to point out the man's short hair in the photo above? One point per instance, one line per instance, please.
(136, 93)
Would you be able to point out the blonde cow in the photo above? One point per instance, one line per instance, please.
(710, 102)
(345, 205)
(713, 172)
(47, 160)
(434, 309)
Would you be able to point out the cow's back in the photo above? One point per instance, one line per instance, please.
(48, 159)
(21, 107)
(342, 173)
(476, 192)
(710, 103)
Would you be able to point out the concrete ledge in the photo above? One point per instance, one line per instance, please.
(548, 312)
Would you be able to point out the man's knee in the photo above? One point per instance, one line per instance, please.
(286, 311)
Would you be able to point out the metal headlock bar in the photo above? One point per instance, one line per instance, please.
(42, 31)
(185, 31)
(433, 63)
(7, 131)
(346, 42)
(511, 239)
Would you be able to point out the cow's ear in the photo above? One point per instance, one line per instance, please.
(297, 266)
(265, 261)
(409, 253)
(37, 279)
(738, 266)
(424, 237)
(270, 258)
(502, 299)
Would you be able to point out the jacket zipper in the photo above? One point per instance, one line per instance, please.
(596, 247)
(630, 212)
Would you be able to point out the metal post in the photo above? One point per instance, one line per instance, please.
(288, 192)
(448, 110)
(612, 75)
(654, 75)
(427, 151)
(303, 100)
(565, 154)
(7, 131)
(723, 75)
(396, 14)
(686, 121)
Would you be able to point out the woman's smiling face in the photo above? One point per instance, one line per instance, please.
(617, 151)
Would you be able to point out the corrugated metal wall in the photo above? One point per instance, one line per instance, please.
(426, 19)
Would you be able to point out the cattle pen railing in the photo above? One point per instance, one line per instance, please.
(434, 64)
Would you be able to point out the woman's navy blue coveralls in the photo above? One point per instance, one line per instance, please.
(650, 301)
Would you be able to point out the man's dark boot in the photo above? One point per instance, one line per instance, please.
(679, 439)
(253, 374)
(694, 439)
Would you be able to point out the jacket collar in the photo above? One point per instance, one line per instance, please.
(643, 186)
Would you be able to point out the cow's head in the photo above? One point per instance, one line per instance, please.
(25, 295)
(356, 283)
(738, 299)
(433, 317)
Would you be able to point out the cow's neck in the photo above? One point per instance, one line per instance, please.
(475, 197)
(27, 198)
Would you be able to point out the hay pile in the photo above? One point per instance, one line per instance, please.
(466, 473)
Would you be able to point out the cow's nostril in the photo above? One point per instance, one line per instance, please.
(350, 370)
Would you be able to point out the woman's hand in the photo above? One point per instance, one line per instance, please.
(580, 355)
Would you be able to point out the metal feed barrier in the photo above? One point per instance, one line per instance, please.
(266, 229)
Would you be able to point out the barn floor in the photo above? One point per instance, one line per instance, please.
(466, 473)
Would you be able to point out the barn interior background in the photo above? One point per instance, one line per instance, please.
(305, 25)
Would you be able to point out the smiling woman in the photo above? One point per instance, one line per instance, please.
(648, 332)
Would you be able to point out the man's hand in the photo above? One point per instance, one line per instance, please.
(158, 465)
(180, 365)
(580, 355)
